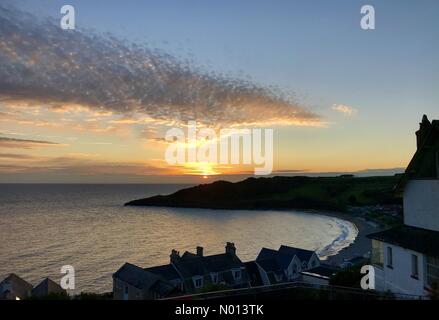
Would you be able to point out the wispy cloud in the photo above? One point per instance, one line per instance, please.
(15, 156)
(42, 64)
(345, 109)
(24, 143)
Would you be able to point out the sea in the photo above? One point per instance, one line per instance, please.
(44, 227)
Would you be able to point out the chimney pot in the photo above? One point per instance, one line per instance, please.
(421, 134)
(200, 251)
(230, 248)
(175, 256)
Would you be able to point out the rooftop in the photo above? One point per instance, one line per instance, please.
(278, 260)
(191, 264)
(423, 164)
(416, 239)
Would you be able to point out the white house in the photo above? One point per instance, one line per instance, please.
(406, 258)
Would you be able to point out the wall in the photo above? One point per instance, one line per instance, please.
(264, 276)
(313, 261)
(421, 204)
(399, 278)
(294, 264)
(133, 292)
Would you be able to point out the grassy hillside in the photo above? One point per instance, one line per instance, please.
(329, 193)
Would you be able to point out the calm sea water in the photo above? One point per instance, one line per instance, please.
(46, 226)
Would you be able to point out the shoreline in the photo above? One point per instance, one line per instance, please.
(361, 246)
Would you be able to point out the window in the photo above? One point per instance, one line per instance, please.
(214, 277)
(198, 282)
(237, 274)
(377, 253)
(125, 293)
(432, 271)
(389, 257)
(415, 269)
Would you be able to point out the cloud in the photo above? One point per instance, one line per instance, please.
(348, 110)
(15, 156)
(42, 64)
(24, 143)
(84, 165)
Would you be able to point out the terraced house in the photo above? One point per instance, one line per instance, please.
(187, 273)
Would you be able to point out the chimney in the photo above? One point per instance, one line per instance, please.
(200, 251)
(424, 128)
(230, 248)
(175, 256)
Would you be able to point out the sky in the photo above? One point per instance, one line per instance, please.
(93, 104)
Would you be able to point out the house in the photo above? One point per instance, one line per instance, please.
(254, 275)
(406, 258)
(46, 288)
(198, 271)
(14, 288)
(285, 264)
(131, 282)
(168, 273)
(187, 273)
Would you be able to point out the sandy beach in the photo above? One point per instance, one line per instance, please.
(362, 245)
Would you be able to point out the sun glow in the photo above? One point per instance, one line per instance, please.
(201, 168)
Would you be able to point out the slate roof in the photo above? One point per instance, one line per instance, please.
(163, 288)
(16, 280)
(423, 164)
(302, 254)
(253, 272)
(19, 286)
(416, 239)
(143, 279)
(166, 272)
(190, 265)
(136, 276)
(270, 264)
(46, 287)
(272, 260)
(278, 260)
